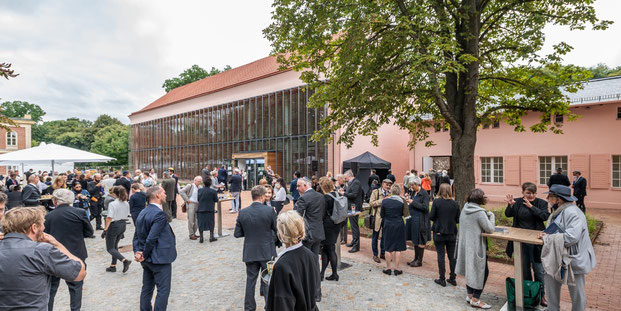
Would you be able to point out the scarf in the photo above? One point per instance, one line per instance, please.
(558, 211)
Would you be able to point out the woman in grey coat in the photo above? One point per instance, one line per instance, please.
(472, 247)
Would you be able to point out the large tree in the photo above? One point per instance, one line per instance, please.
(72, 132)
(190, 75)
(18, 109)
(113, 141)
(416, 62)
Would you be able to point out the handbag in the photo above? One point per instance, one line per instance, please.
(531, 290)
(369, 221)
(184, 208)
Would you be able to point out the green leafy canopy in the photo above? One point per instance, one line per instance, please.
(18, 109)
(464, 62)
(190, 75)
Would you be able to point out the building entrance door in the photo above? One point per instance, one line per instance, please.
(254, 170)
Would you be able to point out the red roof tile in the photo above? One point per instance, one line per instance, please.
(256, 70)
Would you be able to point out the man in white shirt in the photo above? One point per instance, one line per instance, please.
(189, 193)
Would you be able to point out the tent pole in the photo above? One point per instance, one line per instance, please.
(52, 172)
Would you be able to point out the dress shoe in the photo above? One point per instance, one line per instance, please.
(212, 240)
(201, 240)
(111, 269)
(193, 237)
(452, 282)
(416, 264)
(440, 282)
(382, 256)
(398, 272)
(333, 277)
(411, 263)
(350, 245)
(92, 236)
(126, 264)
(354, 249)
(376, 259)
(387, 271)
(99, 228)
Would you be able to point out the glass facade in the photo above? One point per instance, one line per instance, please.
(279, 123)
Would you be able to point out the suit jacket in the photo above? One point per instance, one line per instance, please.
(354, 194)
(580, 185)
(207, 199)
(235, 183)
(126, 183)
(168, 185)
(69, 225)
(154, 237)
(222, 175)
(14, 200)
(137, 202)
(312, 206)
(186, 192)
(257, 223)
(31, 195)
(558, 179)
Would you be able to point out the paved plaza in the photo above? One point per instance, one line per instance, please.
(211, 276)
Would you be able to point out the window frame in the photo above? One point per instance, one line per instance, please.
(496, 170)
(618, 113)
(556, 119)
(615, 162)
(13, 137)
(553, 166)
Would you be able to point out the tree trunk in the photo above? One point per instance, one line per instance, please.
(462, 162)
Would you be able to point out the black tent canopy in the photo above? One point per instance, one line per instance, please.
(362, 166)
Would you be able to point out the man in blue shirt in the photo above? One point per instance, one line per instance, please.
(293, 188)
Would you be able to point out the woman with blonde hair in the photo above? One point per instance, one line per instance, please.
(294, 276)
(328, 245)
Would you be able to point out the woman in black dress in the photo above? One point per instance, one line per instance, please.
(418, 227)
(207, 199)
(328, 246)
(445, 216)
(294, 277)
(393, 210)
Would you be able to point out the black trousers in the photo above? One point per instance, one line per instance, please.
(154, 275)
(315, 247)
(173, 207)
(75, 294)
(113, 237)
(252, 273)
(476, 293)
(449, 246)
(96, 208)
(355, 231)
(580, 203)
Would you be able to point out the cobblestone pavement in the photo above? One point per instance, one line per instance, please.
(211, 276)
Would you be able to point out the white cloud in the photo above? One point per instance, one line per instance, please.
(85, 58)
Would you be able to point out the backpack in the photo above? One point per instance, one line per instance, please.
(339, 210)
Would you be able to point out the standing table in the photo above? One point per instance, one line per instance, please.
(517, 236)
(220, 200)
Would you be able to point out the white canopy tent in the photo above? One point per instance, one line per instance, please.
(50, 154)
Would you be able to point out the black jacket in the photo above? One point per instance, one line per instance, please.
(123, 182)
(420, 206)
(235, 184)
(528, 218)
(14, 200)
(31, 195)
(96, 192)
(580, 185)
(207, 199)
(312, 206)
(354, 194)
(558, 179)
(372, 178)
(293, 284)
(69, 225)
(391, 177)
(137, 202)
(445, 216)
(257, 223)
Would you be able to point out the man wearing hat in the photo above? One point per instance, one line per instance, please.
(572, 224)
(375, 203)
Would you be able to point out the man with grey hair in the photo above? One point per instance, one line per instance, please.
(31, 193)
(96, 190)
(189, 193)
(69, 225)
(354, 194)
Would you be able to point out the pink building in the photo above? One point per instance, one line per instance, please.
(504, 159)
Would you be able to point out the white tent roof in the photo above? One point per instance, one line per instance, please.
(46, 153)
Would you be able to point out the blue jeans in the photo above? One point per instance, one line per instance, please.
(374, 243)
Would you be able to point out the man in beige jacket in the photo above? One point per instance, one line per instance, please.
(189, 193)
(375, 203)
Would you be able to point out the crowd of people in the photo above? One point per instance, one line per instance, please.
(421, 210)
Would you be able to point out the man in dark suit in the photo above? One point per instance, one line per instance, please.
(69, 225)
(354, 198)
(223, 176)
(391, 176)
(174, 200)
(31, 193)
(579, 185)
(312, 206)
(168, 184)
(293, 187)
(257, 224)
(236, 188)
(154, 247)
(125, 181)
(559, 178)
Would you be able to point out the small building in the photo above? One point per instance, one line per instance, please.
(504, 159)
(18, 137)
(248, 117)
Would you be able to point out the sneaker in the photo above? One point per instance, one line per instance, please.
(232, 212)
(440, 282)
(452, 282)
(111, 269)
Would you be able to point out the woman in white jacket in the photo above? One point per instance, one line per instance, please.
(472, 247)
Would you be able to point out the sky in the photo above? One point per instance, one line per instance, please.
(86, 58)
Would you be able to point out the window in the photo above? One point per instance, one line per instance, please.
(11, 139)
(548, 165)
(485, 126)
(616, 171)
(496, 124)
(558, 119)
(437, 127)
(492, 170)
(618, 113)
